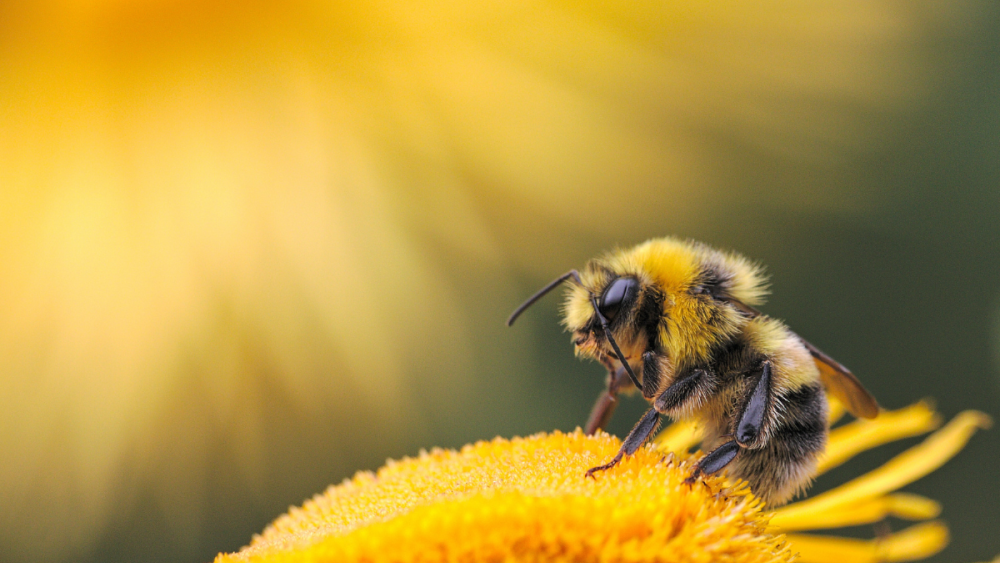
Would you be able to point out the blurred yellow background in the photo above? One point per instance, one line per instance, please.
(248, 248)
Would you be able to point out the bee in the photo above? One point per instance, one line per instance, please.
(676, 320)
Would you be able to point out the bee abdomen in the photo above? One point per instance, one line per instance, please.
(785, 465)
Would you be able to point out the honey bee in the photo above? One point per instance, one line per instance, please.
(676, 320)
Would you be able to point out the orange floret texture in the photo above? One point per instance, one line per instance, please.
(525, 499)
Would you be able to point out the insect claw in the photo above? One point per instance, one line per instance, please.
(605, 467)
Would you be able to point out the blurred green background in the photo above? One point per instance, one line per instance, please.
(247, 249)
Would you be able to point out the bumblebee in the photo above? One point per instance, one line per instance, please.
(676, 320)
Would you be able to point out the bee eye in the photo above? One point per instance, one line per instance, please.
(620, 290)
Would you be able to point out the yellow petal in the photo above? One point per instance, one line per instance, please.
(679, 436)
(900, 505)
(901, 470)
(916, 542)
(836, 411)
(860, 435)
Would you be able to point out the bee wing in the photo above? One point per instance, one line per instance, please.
(842, 384)
(837, 379)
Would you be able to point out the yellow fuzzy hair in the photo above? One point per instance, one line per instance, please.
(673, 266)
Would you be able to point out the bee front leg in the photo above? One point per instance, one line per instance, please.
(600, 415)
(639, 434)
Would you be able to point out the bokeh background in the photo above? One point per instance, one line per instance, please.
(248, 248)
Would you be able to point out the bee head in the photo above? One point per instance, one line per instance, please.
(606, 302)
(614, 314)
(678, 298)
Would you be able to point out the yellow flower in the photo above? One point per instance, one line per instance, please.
(526, 500)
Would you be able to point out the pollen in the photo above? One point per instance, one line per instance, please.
(527, 499)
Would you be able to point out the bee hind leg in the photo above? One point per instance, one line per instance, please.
(784, 466)
(715, 460)
(751, 421)
(747, 430)
(639, 434)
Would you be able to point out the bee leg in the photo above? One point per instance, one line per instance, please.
(689, 389)
(642, 430)
(715, 460)
(651, 369)
(747, 430)
(600, 415)
(752, 417)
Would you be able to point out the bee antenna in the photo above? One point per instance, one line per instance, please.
(611, 339)
(541, 293)
(604, 322)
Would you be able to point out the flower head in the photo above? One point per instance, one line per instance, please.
(526, 500)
